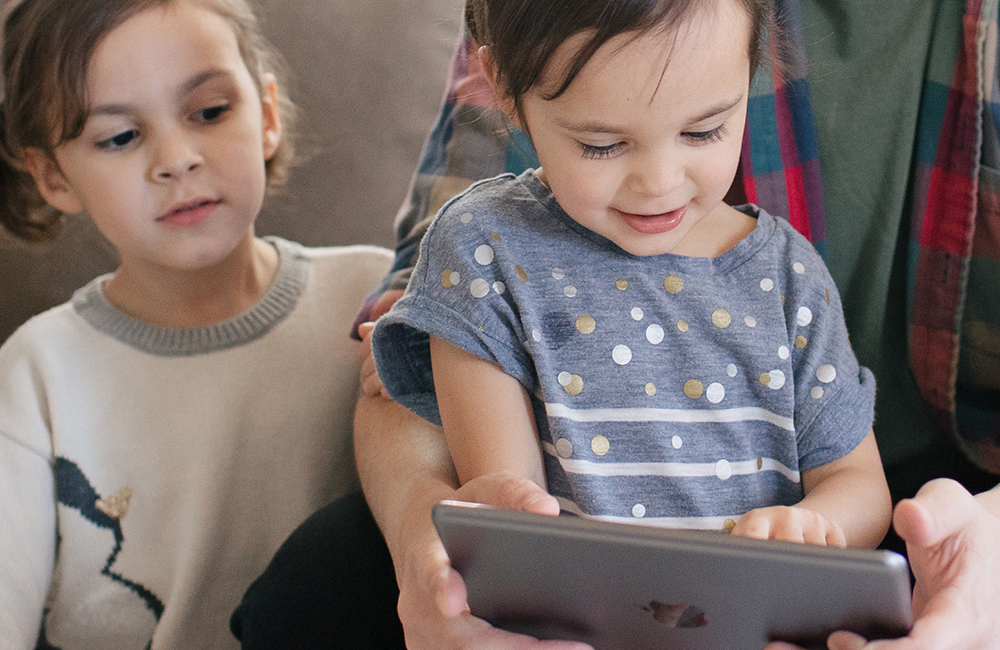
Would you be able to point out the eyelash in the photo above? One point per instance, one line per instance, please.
(208, 115)
(593, 152)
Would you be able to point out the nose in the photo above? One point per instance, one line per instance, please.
(176, 155)
(657, 173)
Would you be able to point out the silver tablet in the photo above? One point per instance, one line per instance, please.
(620, 586)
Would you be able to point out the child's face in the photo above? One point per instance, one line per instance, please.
(645, 158)
(170, 164)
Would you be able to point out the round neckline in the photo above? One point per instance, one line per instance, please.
(278, 301)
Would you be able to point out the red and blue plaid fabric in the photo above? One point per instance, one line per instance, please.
(954, 254)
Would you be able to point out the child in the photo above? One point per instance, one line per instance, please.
(163, 432)
(680, 362)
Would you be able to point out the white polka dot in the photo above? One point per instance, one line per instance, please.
(638, 510)
(715, 393)
(804, 316)
(654, 334)
(621, 354)
(750, 321)
(798, 267)
(816, 392)
(676, 442)
(783, 352)
(767, 284)
(570, 291)
(777, 380)
(731, 370)
(466, 218)
(499, 287)
(636, 313)
(564, 447)
(826, 373)
(484, 255)
(479, 288)
(558, 274)
(564, 378)
(723, 469)
(535, 334)
(455, 277)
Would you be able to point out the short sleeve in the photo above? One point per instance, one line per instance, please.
(834, 395)
(459, 293)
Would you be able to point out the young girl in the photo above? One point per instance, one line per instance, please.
(680, 362)
(164, 431)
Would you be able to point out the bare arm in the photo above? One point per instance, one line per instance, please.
(487, 416)
(846, 502)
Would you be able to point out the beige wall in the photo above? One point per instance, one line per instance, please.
(368, 77)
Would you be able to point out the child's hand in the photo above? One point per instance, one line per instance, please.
(791, 524)
(371, 385)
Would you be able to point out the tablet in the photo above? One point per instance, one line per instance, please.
(626, 586)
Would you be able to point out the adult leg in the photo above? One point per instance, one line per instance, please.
(330, 585)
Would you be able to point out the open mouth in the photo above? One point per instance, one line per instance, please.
(654, 224)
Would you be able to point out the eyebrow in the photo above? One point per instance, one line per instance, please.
(601, 127)
(191, 84)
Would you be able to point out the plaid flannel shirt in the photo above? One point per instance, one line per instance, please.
(954, 242)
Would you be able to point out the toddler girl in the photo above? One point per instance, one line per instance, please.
(678, 362)
(164, 431)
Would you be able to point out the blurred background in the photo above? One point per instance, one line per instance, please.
(367, 75)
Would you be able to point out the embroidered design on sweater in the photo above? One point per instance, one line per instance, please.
(74, 490)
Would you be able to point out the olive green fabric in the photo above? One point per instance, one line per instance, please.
(867, 62)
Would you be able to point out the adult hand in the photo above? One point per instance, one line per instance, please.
(432, 596)
(371, 385)
(953, 544)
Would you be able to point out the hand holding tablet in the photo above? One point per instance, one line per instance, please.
(623, 586)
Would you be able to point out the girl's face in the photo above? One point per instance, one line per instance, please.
(641, 153)
(170, 164)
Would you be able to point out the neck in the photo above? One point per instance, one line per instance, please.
(168, 297)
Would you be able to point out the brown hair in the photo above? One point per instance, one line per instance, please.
(47, 45)
(523, 35)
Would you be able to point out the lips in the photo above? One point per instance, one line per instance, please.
(190, 213)
(653, 224)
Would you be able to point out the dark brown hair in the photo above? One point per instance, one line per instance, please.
(47, 45)
(523, 35)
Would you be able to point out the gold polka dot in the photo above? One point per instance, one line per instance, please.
(586, 324)
(651, 389)
(693, 388)
(621, 284)
(721, 318)
(760, 462)
(481, 328)
(446, 279)
(600, 445)
(765, 378)
(495, 236)
(827, 292)
(520, 273)
(575, 385)
(682, 325)
(801, 342)
(728, 525)
(673, 284)
(782, 300)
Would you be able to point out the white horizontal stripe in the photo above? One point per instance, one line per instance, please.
(741, 414)
(741, 467)
(690, 523)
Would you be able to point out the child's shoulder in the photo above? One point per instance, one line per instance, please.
(44, 331)
(795, 258)
(359, 258)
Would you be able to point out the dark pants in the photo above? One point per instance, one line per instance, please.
(330, 585)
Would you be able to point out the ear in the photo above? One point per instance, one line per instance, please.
(272, 115)
(500, 98)
(51, 183)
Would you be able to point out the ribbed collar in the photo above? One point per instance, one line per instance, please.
(277, 302)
